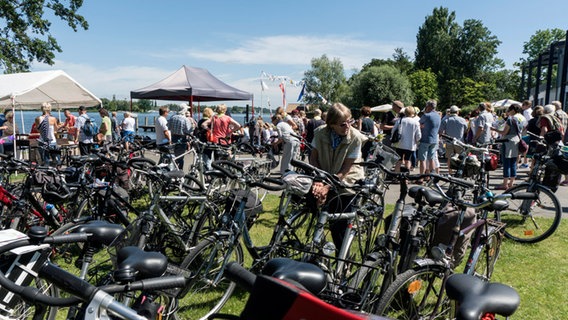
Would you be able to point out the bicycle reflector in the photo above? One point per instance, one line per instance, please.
(20, 265)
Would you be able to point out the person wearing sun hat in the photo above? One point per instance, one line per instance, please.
(454, 126)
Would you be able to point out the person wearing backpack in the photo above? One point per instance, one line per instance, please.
(47, 126)
(85, 136)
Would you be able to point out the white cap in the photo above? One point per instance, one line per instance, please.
(454, 109)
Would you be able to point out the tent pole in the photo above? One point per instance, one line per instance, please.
(13, 98)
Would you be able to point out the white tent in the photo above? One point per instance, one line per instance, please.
(30, 89)
(505, 103)
(382, 108)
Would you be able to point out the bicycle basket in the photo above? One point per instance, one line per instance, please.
(491, 162)
(560, 159)
(471, 167)
(386, 156)
(298, 184)
(552, 175)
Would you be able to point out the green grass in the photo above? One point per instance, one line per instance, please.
(537, 271)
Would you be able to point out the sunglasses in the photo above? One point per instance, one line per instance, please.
(346, 123)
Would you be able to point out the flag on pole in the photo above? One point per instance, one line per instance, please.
(324, 100)
(263, 85)
(302, 92)
(283, 88)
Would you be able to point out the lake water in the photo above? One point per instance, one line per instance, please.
(143, 118)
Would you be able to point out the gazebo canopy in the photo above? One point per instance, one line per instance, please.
(191, 84)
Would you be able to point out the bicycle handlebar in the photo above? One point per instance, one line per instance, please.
(218, 165)
(465, 145)
(461, 182)
(275, 184)
(318, 173)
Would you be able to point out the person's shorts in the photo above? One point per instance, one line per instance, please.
(452, 149)
(426, 151)
(404, 154)
(128, 136)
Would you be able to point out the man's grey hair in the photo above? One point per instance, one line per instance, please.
(432, 103)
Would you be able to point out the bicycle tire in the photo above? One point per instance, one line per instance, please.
(206, 295)
(485, 257)
(24, 310)
(368, 283)
(291, 236)
(415, 293)
(531, 221)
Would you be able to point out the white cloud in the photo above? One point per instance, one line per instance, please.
(106, 82)
(299, 50)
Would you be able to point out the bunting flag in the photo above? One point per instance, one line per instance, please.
(302, 92)
(263, 85)
(324, 100)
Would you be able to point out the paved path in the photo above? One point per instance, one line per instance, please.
(496, 179)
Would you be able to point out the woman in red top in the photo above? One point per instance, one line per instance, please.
(221, 125)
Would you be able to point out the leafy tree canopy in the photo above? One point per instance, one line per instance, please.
(325, 79)
(25, 31)
(379, 85)
(424, 85)
(540, 42)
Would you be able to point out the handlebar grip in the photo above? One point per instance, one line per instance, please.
(160, 283)
(523, 195)
(241, 276)
(276, 184)
(67, 238)
(303, 165)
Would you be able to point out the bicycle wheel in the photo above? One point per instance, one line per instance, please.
(485, 256)
(291, 234)
(209, 290)
(417, 294)
(24, 310)
(531, 221)
(367, 283)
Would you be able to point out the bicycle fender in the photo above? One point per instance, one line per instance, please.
(428, 262)
(221, 234)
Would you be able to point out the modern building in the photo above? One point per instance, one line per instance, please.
(545, 78)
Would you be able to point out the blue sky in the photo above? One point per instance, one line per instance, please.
(133, 43)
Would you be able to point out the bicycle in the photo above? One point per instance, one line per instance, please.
(418, 292)
(531, 221)
(209, 290)
(44, 301)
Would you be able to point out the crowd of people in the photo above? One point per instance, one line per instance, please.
(419, 147)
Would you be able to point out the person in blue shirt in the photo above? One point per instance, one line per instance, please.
(428, 147)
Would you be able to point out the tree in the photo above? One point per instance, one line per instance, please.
(424, 85)
(455, 53)
(402, 61)
(25, 33)
(540, 42)
(435, 41)
(325, 80)
(466, 92)
(476, 50)
(380, 85)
